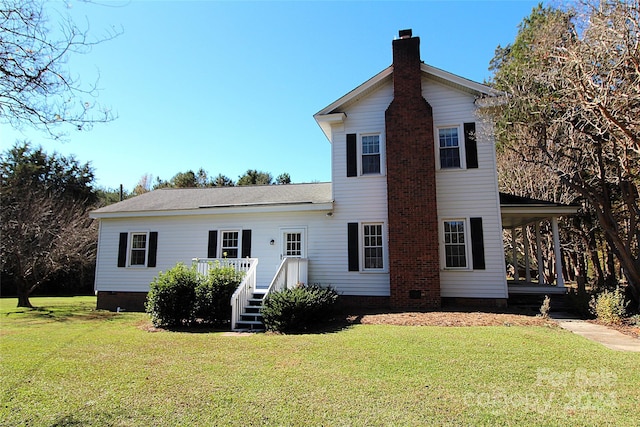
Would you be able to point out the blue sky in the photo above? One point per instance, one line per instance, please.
(230, 86)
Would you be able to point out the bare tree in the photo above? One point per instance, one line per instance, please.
(573, 78)
(36, 88)
(45, 226)
(43, 236)
(144, 184)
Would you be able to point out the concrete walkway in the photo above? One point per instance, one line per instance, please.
(608, 337)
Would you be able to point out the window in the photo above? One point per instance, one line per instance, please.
(373, 247)
(449, 143)
(137, 249)
(366, 247)
(455, 244)
(293, 244)
(229, 244)
(138, 254)
(370, 154)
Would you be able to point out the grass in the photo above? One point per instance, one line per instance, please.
(68, 365)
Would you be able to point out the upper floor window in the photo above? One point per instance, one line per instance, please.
(365, 154)
(449, 143)
(230, 244)
(370, 154)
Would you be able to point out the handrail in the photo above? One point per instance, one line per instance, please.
(291, 272)
(239, 264)
(240, 297)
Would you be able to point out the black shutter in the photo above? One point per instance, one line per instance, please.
(352, 154)
(352, 246)
(212, 246)
(477, 244)
(246, 244)
(470, 145)
(122, 250)
(153, 249)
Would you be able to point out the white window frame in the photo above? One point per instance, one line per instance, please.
(130, 249)
(466, 244)
(461, 147)
(222, 250)
(303, 241)
(381, 151)
(384, 247)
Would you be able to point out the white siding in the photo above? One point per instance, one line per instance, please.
(461, 194)
(466, 193)
(358, 199)
(182, 238)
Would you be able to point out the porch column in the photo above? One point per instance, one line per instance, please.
(539, 255)
(557, 252)
(516, 275)
(527, 263)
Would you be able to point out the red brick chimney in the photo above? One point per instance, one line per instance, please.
(414, 261)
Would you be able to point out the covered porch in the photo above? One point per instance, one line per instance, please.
(524, 217)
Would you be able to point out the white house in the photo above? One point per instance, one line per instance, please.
(412, 215)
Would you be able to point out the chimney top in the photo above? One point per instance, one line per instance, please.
(405, 34)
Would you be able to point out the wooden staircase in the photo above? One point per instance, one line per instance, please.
(251, 318)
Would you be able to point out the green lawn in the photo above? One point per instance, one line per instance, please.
(68, 365)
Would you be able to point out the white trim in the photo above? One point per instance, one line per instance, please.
(324, 207)
(480, 89)
(327, 121)
(373, 81)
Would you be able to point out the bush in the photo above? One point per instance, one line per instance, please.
(298, 309)
(213, 294)
(545, 307)
(609, 307)
(171, 298)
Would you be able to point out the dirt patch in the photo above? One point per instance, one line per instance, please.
(450, 318)
(626, 327)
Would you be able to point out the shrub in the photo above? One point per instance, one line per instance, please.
(299, 308)
(213, 294)
(171, 298)
(545, 307)
(609, 307)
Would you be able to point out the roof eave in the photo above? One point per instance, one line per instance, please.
(476, 87)
(218, 210)
(326, 122)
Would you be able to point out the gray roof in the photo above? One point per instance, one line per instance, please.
(171, 199)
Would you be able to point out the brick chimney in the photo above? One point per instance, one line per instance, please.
(414, 261)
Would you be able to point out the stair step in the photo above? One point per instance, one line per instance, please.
(252, 316)
(249, 322)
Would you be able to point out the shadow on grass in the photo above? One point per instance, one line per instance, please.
(62, 313)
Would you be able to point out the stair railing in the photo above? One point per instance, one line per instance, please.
(291, 272)
(241, 296)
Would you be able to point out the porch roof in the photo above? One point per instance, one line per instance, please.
(172, 201)
(517, 211)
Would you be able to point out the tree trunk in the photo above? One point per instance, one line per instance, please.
(23, 300)
(23, 290)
